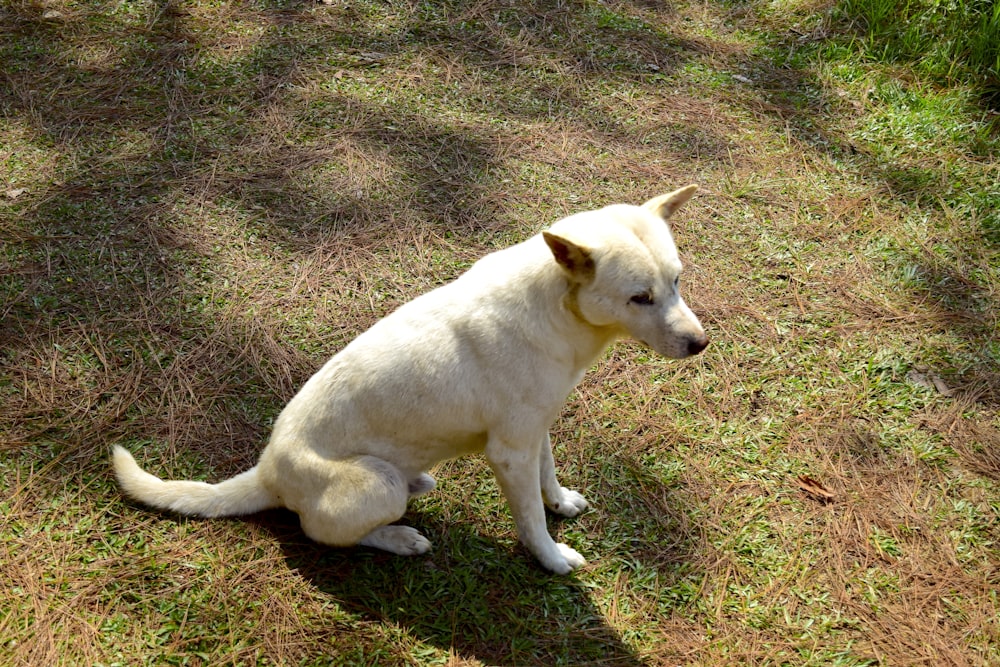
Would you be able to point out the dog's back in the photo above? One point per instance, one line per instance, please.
(431, 379)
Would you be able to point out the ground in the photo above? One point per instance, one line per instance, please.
(201, 201)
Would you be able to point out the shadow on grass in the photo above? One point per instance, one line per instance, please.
(482, 595)
(470, 595)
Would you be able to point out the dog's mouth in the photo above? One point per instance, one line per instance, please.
(646, 344)
(692, 348)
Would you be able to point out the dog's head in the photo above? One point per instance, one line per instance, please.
(625, 273)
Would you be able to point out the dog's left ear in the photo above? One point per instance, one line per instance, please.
(665, 205)
(575, 259)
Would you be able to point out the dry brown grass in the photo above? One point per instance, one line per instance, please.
(214, 198)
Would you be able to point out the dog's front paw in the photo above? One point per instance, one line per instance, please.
(569, 559)
(570, 503)
(563, 561)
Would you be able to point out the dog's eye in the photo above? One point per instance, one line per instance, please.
(644, 299)
(677, 282)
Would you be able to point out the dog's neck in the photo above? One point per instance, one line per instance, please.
(593, 339)
(571, 303)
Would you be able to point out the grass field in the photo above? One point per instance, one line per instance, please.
(200, 201)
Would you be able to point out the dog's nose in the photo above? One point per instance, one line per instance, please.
(696, 345)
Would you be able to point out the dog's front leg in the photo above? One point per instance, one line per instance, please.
(517, 470)
(557, 498)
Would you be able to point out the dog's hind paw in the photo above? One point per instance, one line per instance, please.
(400, 540)
(570, 503)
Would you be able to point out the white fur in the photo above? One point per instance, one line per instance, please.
(484, 363)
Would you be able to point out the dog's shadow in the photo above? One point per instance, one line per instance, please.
(472, 595)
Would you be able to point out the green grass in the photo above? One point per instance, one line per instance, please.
(957, 40)
(201, 201)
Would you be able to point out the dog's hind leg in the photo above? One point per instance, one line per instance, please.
(401, 540)
(557, 498)
(352, 501)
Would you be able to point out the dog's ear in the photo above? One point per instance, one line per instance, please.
(665, 205)
(575, 259)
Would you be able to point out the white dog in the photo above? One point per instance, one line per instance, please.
(483, 364)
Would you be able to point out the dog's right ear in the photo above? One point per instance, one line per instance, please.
(665, 205)
(574, 259)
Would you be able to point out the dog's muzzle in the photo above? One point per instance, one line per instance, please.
(697, 345)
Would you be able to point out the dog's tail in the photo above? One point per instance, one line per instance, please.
(243, 494)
